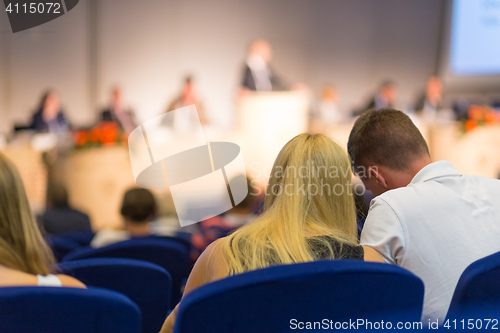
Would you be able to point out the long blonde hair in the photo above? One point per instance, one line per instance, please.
(308, 194)
(21, 244)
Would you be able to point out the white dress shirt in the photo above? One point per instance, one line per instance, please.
(435, 227)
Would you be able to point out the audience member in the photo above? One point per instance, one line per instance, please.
(59, 217)
(258, 76)
(117, 112)
(220, 226)
(138, 210)
(426, 217)
(430, 102)
(49, 117)
(25, 259)
(300, 223)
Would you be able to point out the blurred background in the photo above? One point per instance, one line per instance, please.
(153, 56)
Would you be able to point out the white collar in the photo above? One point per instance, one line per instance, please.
(435, 170)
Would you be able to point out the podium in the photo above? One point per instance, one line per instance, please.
(266, 121)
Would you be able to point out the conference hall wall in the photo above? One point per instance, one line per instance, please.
(148, 46)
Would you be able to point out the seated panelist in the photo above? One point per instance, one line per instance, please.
(49, 117)
(118, 113)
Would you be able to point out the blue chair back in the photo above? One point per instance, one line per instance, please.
(57, 309)
(178, 240)
(267, 300)
(82, 237)
(147, 285)
(478, 287)
(173, 257)
(61, 246)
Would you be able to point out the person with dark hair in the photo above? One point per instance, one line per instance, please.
(138, 210)
(426, 216)
(59, 217)
(49, 117)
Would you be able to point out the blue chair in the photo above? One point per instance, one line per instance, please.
(267, 300)
(61, 246)
(53, 309)
(146, 284)
(478, 288)
(171, 256)
(179, 240)
(82, 237)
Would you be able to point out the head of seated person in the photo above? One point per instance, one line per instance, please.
(386, 150)
(309, 212)
(23, 251)
(60, 217)
(138, 210)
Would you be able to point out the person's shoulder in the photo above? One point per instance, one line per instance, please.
(38, 113)
(79, 213)
(217, 245)
(69, 281)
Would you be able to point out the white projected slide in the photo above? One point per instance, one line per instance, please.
(475, 37)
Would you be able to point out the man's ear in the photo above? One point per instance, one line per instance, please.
(378, 176)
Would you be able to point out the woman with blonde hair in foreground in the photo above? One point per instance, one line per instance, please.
(309, 214)
(25, 258)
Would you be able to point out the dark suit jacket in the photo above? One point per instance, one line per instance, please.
(108, 115)
(64, 219)
(249, 81)
(40, 125)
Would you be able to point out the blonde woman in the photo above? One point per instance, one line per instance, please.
(25, 259)
(309, 214)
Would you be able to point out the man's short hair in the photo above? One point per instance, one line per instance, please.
(385, 137)
(138, 205)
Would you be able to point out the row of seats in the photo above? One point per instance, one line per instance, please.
(265, 300)
(152, 272)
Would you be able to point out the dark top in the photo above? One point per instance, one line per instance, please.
(249, 81)
(340, 251)
(321, 252)
(61, 220)
(59, 124)
(109, 115)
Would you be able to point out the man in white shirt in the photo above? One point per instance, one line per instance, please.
(426, 217)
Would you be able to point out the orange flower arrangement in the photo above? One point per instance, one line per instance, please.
(481, 115)
(106, 133)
